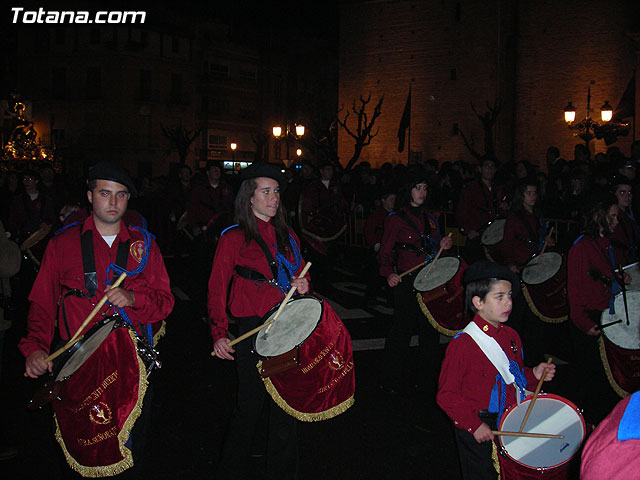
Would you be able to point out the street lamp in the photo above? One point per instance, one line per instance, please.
(233, 151)
(588, 129)
(289, 133)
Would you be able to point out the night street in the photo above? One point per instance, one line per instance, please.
(380, 437)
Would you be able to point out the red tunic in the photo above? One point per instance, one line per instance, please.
(62, 267)
(467, 376)
(517, 245)
(477, 205)
(398, 231)
(604, 456)
(625, 239)
(207, 201)
(320, 200)
(374, 226)
(584, 292)
(246, 298)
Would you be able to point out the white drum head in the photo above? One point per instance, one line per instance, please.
(634, 272)
(541, 268)
(85, 350)
(549, 415)
(443, 270)
(623, 335)
(295, 324)
(493, 233)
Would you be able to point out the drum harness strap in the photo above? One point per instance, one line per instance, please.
(282, 270)
(89, 267)
(508, 370)
(611, 283)
(427, 245)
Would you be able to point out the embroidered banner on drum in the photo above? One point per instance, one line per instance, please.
(323, 385)
(99, 405)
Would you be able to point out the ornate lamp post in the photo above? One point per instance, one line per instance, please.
(290, 133)
(587, 128)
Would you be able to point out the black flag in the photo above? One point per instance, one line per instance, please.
(405, 122)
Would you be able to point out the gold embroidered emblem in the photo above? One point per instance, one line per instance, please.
(137, 250)
(336, 362)
(100, 413)
(485, 328)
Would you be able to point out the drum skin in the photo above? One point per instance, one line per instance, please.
(531, 458)
(99, 405)
(491, 240)
(444, 305)
(548, 300)
(620, 345)
(323, 385)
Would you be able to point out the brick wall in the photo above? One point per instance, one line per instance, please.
(533, 56)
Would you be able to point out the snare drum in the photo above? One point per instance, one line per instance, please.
(491, 240)
(101, 398)
(548, 458)
(545, 287)
(322, 385)
(620, 345)
(441, 295)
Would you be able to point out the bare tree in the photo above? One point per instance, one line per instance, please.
(181, 138)
(488, 120)
(362, 132)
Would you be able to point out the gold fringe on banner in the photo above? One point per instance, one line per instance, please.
(496, 460)
(123, 436)
(607, 368)
(536, 312)
(432, 321)
(160, 333)
(302, 416)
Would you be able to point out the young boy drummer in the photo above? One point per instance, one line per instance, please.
(483, 368)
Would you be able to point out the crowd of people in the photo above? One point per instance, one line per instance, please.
(244, 231)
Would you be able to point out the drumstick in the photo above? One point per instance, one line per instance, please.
(77, 335)
(425, 262)
(544, 247)
(278, 312)
(535, 395)
(525, 434)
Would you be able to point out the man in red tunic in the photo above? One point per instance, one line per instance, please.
(626, 235)
(480, 203)
(62, 296)
(210, 199)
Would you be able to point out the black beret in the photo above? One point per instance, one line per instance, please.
(619, 180)
(262, 169)
(486, 270)
(112, 172)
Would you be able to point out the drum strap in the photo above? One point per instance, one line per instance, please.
(427, 246)
(533, 237)
(89, 267)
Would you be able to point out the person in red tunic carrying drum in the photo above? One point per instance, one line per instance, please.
(411, 236)
(76, 272)
(592, 286)
(243, 259)
(483, 369)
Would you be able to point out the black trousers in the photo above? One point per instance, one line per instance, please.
(407, 319)
(475, 458)
(282, 447)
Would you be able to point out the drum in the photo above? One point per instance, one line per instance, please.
(103, 383)
(548, 458)
(620, 345)
(442, 301)
(545, 287)
(323, 226)
(491, 240)
(634, 272)
(322, 385)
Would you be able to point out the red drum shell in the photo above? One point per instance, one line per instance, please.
(622, 367)
(548, 300)
(511, 469)
(322, 386)
(444, 305)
